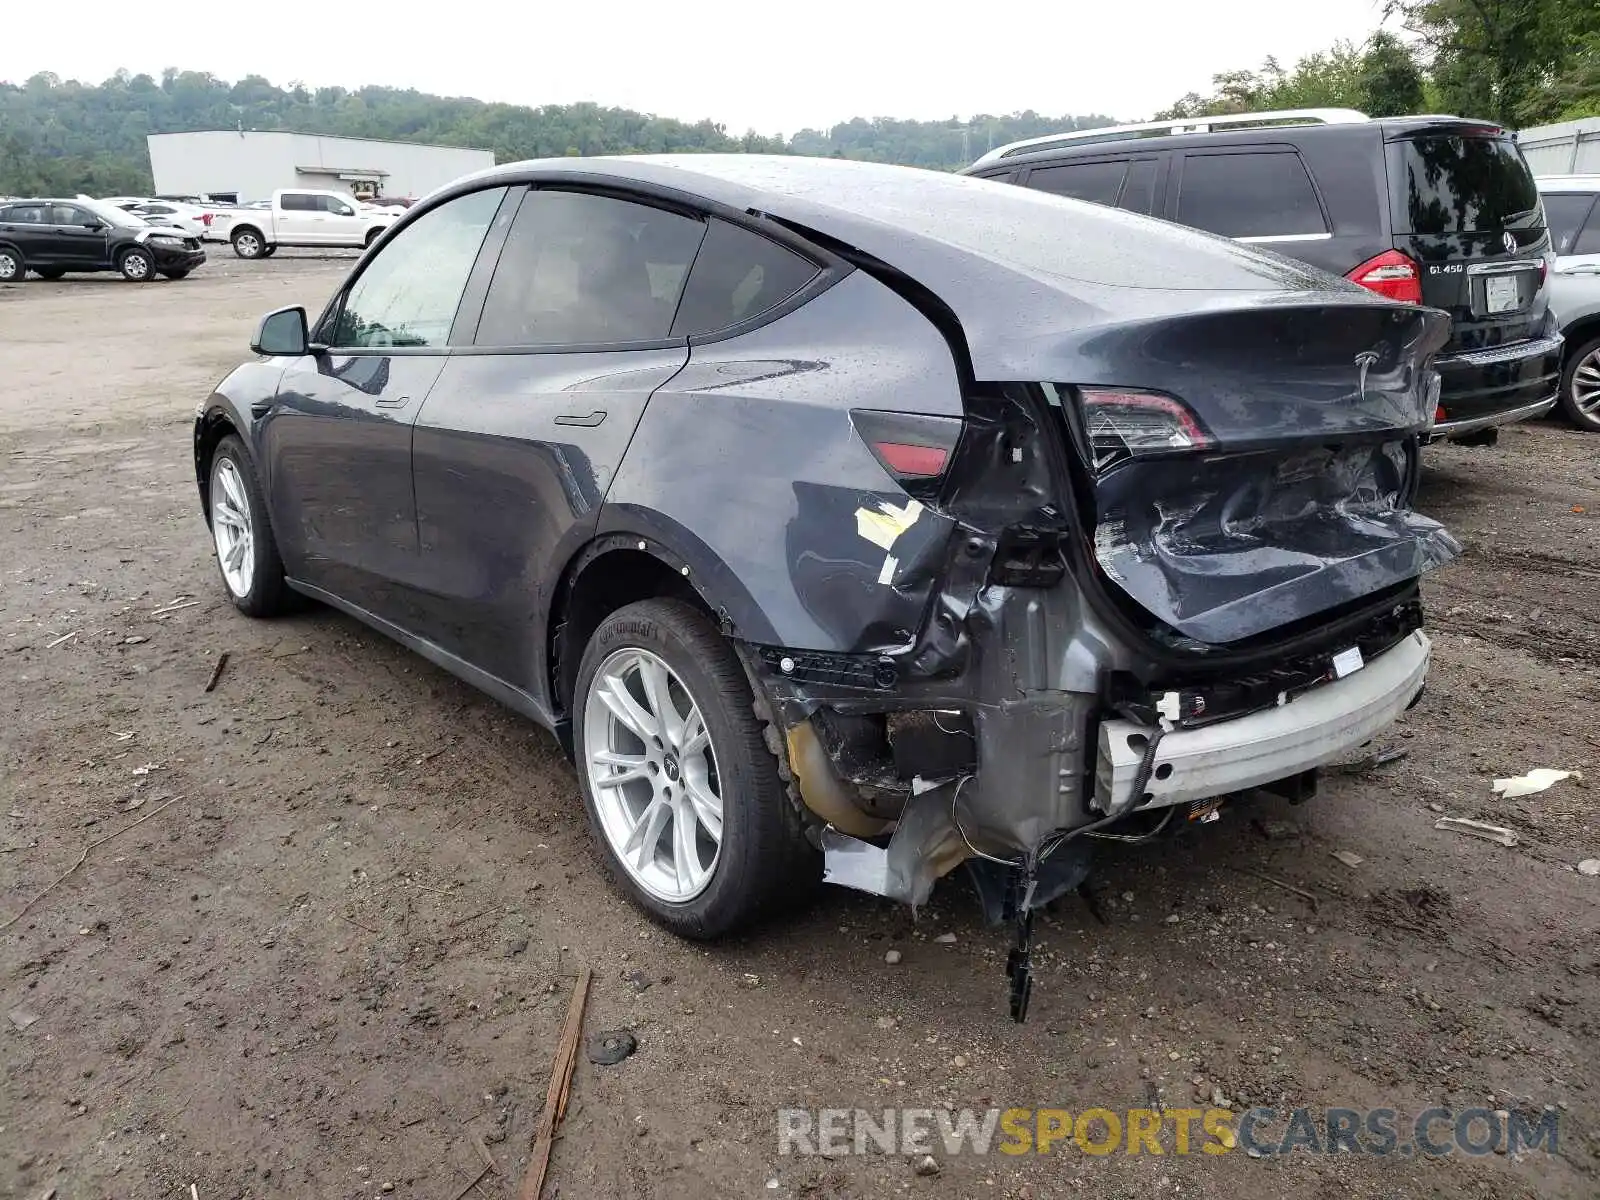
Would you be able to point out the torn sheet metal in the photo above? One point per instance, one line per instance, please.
(925, 846)
(1234, 545)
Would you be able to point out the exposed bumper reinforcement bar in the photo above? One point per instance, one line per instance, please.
(1247, 752)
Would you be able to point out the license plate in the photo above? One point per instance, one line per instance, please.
(1500, 293)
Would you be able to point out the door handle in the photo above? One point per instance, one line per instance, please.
(392, 401)
(588, 422)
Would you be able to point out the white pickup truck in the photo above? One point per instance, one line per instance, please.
(300, 218)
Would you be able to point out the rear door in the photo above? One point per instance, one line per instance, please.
(1465, 209)
(1260, 194)
(1127, 182)
(522, 434)
(1574, 223)
(29, 228)
(298, 219)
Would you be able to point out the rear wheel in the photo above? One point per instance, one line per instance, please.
(136, 265)
(12, 267)
(247, 243)
(372, 236)
(51, 273)
(1580, 386)
(247, 553)
(681, 790)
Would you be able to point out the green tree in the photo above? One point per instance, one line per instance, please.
(1389, 80)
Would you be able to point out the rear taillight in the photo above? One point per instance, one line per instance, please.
(1390, 274)
(1128, 424)
(913, 448)
(205, 219)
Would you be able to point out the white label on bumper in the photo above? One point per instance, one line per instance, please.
(1348, 662)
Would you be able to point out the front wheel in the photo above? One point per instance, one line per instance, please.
(1580, 386)
(247, 553)
(681, 790)
(247, 243)
(136, 265)
(12, 268)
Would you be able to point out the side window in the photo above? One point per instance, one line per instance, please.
(1098, 182)
(736, 276)
(408, 293)
(581, 269)
(334, 205)
(28, 214)
(1139, 191)
(1564, 214)
(1588, 241)
(66, 214)
(295, 202)
(1257, 195)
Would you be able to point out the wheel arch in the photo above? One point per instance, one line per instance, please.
(213, 425)
(1581, 332)
(620, 566)
(246, 227)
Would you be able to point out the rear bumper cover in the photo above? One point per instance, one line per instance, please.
(1247, 752)
(1481, 389)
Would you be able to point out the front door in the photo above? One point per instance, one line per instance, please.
(340, 224)
(81, 238)
(521, 436)
(337, 437)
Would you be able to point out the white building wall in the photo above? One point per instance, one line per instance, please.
(252, 164)
(1570, 148)
(255, 164)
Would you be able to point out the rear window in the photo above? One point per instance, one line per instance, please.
(1259, 194)
(1446, 184)
(737, 276)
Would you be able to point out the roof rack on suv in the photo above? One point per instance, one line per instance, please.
(1117, 133)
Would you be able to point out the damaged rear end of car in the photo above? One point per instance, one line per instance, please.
(1165, 555)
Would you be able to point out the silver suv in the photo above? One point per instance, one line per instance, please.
(1572, 210)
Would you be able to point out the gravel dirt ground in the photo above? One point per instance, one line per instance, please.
(334, 958)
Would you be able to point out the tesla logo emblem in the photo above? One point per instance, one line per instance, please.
(1509, 242)
(1365, 361)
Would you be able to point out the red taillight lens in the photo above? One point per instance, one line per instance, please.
(205, 218)
(913, 448)
(1390, 274)
(905, 459)
(1128, 424)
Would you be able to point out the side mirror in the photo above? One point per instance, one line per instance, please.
(282, 332)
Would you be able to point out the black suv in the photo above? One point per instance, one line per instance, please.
(52, 237)
(1432, 210)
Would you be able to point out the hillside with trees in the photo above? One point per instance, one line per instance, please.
(1519, 62)
(62, 136)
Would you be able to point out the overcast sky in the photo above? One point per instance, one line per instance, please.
(772, 67)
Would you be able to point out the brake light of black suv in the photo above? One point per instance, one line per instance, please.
(1390, 274)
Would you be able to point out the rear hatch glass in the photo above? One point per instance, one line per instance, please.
(1466, 210)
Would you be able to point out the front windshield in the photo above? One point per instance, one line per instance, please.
(112, 215)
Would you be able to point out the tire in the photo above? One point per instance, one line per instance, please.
(1581, 374)
(183, 274)
(50, 273)
(137, 265)
(762, 858)
(248, 243)
(268, 251)
(12, 265)
(255, 581)
(372, 236)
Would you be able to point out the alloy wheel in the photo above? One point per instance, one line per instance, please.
(232, 527)
(1586, 385)
(653, 774)
(136, 266)
(248, 245)
(8, 267)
